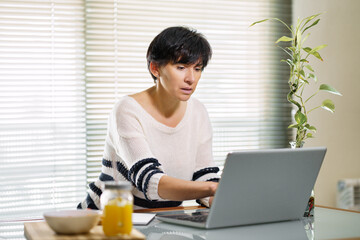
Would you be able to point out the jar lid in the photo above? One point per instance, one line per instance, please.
(120, 185)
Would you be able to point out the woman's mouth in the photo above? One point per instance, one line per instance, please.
(187, 91)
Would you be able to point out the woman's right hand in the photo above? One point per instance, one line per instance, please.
(213, 186)
(179, 190)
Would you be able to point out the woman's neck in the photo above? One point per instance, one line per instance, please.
(164, 103)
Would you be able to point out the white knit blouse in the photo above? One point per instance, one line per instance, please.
(144, 150)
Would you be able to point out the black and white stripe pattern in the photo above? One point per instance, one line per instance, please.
(92, 200)
(206, 174)
(217, 179)
(141, 172)
(155, 204)
(139, 175)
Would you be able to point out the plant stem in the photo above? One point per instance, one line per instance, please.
(314, 109)
(312, 96)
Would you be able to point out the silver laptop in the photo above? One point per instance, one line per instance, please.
(258, 186)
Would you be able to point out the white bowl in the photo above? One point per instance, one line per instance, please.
(72, 221)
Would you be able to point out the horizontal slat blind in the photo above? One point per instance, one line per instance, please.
(42, 109)
(59, 79)
(244, 87)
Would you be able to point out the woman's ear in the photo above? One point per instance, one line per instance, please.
(154, 69)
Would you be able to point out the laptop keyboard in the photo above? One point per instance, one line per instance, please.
(199, 217)
(193, 218)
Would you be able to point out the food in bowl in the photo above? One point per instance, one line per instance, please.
(72, 221)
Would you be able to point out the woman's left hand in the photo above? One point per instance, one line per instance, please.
(210, 201)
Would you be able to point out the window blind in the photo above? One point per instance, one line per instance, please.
(244, 87)
(63, 64)
(42, 109)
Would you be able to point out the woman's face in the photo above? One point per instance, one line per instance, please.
(179, 80)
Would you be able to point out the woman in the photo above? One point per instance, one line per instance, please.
(161, 138)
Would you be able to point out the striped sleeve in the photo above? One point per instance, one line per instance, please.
(206, 174)
(140, 175)
(95, 190)
(142, 172)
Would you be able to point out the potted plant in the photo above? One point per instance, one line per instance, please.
(302, 74)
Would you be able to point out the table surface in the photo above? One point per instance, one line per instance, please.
(327, 223)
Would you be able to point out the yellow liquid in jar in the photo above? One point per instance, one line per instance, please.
(117, 217)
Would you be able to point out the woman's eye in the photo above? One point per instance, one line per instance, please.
(180, 67)
(198, 69)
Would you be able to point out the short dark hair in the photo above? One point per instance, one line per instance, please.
(178, 45)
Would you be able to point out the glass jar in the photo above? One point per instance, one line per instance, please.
(117, 205)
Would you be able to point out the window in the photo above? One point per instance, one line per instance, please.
(42, 109)
(63, 64)
(244, 87)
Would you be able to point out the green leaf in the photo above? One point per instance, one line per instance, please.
(307, 49)
(328, 105)
(317, 55)
(304, 60)
(298, 22)
(293, 126)
(300, 118)
(309, 67)
(306, 81)
(314, 23)
(292, 49)
(309, 135)
(311, 75)
(307, 35)
(330, 89)
(302, 73)
(287, 26)
(311, 128)
(259, 22)
(315, 49)
(284, 49)
(310, 18)
(298, 37)
(288, 61)
(284, 39)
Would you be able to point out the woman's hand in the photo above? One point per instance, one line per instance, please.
(214, 188)
(179, 190)
(210, 201)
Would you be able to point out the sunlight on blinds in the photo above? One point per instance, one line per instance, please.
(63, 64)
(42, 102)
(244, 86)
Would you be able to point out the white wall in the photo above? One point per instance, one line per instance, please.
(339, 27)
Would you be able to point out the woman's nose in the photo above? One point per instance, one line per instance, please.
(190, 76)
